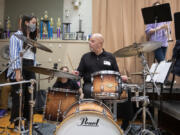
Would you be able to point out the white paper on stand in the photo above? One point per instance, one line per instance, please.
(160, 72)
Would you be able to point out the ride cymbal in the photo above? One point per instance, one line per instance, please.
(52, 72)
(137, 48)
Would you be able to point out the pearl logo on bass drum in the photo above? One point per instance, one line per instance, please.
(86, 122)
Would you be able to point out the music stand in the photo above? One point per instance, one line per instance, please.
(160, 72)
(157, 14)
(177, 26)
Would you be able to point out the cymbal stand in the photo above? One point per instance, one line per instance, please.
(20, 125)
(21, 128)
(32, 103)
(145, 100)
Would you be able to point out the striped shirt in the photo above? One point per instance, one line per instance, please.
(15, 47)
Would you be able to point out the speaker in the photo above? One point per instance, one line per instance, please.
(4, 54)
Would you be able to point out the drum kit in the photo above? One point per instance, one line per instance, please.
(88, 116)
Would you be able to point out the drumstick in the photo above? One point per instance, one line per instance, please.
(69, 59)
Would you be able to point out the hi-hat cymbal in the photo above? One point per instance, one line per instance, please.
(137, 48)
(53, 72)
(33, 43)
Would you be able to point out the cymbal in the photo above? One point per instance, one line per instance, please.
(137, 48)
(33, 43)
(52, 72)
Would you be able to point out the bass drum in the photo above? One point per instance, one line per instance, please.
(88, 117)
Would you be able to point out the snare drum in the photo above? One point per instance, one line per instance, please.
(88, 117)
(57, 101)
(106, 84)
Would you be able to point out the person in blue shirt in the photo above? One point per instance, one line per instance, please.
(28, 29)
(159, 32)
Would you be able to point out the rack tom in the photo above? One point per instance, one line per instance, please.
(106, 84)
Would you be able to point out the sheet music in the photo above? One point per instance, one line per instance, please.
(160, 71)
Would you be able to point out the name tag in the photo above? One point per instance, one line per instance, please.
(108, 63)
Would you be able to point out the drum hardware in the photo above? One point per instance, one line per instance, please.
(136, 95)
(58, 111)
(145, 100)
(21, 128)
(139, 49)
(32, 103)
(102, 88)
(101, 78)
(19, 118)
(33, 43)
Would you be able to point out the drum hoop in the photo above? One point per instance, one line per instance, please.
(87, 100)
(88, 112)
(64, 90)
(105, 72)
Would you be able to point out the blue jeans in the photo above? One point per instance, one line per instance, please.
(160, 54)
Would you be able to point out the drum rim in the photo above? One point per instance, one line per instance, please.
(105, 72)
(88, 112)
(84, 100)
(63, 90)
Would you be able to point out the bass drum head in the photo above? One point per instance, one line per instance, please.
(88, 123)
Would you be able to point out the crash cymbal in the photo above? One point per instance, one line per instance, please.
(52, 72)
(33, 43)
(137, 48)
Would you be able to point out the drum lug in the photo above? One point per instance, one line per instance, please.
(102, 88)
(49, 116)
(117, 79)
(92, 89)
(104, 113)
(59, 110)
(102, 77)
(77, 109)
(117, 88)
(92, 79)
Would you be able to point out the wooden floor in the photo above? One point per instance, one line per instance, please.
(4, 122)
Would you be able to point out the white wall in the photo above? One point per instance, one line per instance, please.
(85, 12)
(1, 13)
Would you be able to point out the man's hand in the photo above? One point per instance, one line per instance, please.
(18, 75)
(75, 72)
(124, 78)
